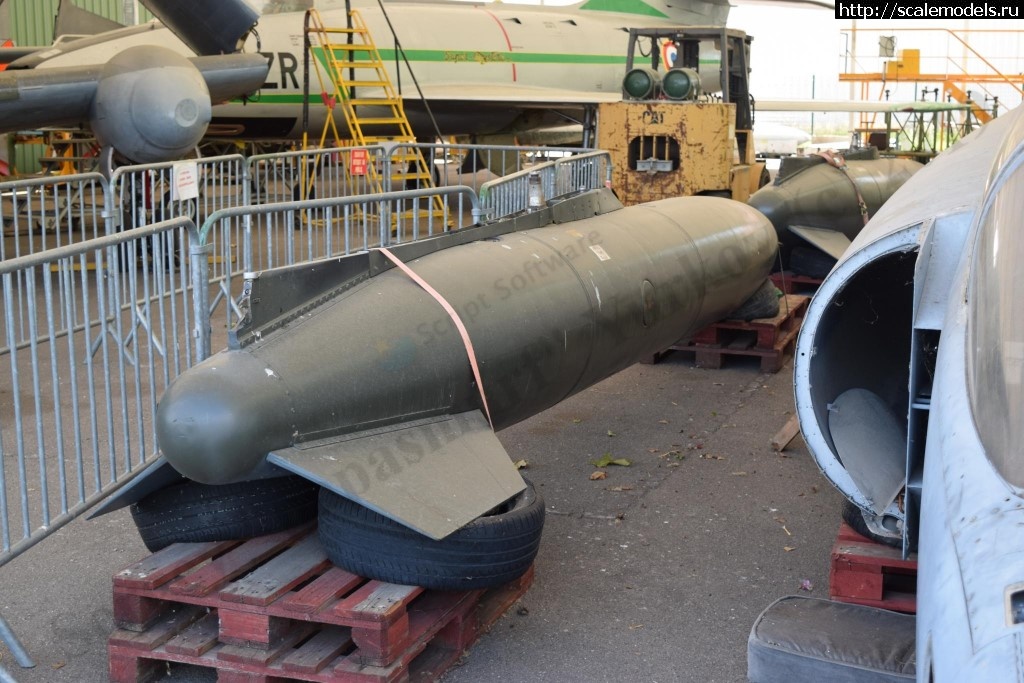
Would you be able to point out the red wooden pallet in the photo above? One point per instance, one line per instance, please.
(770, 339)
(274, 609)
(864, 572)
(789, 283)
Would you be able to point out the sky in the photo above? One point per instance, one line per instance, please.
(798, 52)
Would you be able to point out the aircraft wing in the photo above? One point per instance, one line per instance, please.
(231, 76)
(37, 98)
(33, 99)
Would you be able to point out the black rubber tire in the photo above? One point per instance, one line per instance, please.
(855, 520)
(810, 262)
(764, 179)
(190, 512)
(489, 551)
(764, 303)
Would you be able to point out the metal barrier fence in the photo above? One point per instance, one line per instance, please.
(41, 214)
(468, 165)
(513, 193)
(287, 233)
(312, 174)
(85, 382)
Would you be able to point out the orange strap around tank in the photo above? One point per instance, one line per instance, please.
(450, 310)
(837, 161)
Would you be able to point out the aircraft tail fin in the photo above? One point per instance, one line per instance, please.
(74, 21)
(688, 12)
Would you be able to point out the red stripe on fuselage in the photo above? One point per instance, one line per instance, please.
(508, 42)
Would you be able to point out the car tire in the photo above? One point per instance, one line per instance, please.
(192, 512)
(811, 262)
(854, 518)
(489, 551)
(764, 303)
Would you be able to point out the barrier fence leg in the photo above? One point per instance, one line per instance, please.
(20, 655)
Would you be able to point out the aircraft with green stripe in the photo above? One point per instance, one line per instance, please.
(482, 68)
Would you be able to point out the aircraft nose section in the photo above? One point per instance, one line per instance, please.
(216, 423)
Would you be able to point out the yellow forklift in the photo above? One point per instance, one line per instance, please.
(679, 130)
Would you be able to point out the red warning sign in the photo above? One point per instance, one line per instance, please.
(357, 161)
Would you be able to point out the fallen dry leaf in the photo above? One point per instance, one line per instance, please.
(598, 475)
(521, 464)
(653, 450)
(611, 433)
(663, 422)
(621, 488)
(607, 459)
(633, 627)
(789, 548)
(58, 665)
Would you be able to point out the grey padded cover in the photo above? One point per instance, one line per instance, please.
(800, 639)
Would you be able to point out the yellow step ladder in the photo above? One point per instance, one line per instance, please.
(360, 82)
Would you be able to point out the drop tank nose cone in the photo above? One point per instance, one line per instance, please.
(217, 422)
(770, 201)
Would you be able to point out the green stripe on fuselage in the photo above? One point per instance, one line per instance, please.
(486, 57)
(623, 7)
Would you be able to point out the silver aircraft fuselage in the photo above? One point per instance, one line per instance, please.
(923, 314)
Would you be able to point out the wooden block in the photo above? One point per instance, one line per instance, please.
(136, 613)
(278, 576)
(786, 434)
(130, 668)
(260, 656)
(378, 646)
(709, 359)
(846, 582)
(249, 629)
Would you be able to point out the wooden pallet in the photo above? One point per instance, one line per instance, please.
(788, 283)
(770, 339)
(864, 572)
(274, 609)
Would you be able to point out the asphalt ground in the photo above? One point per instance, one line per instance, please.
(654, 573)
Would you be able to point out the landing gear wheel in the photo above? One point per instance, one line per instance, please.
(489, 551)
(191, 512)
